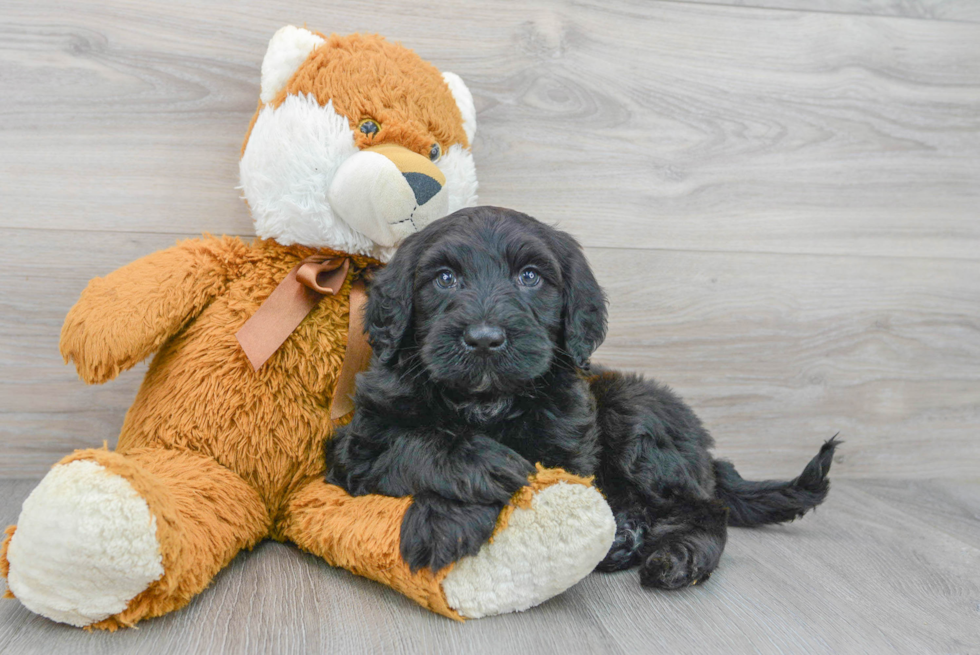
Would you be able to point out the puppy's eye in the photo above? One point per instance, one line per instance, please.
(368, 127)
(435, 152)
(446, 279)
(529, 277)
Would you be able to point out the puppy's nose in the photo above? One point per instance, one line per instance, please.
(484, 337)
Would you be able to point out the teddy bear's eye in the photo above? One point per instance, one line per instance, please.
(435, 152)
(368, 127)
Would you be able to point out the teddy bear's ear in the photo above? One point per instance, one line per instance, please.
(464, 100)
(288, 49)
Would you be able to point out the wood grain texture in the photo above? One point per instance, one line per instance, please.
(954, 10)
(695, 126)
(775, 352)
(882, 567)
(782, 200)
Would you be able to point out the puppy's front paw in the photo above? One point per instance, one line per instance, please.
(501, 472)
(436, 531)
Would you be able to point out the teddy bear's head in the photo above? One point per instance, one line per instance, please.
(357, 143)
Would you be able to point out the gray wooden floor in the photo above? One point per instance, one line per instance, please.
(884, 567)
(782, 198)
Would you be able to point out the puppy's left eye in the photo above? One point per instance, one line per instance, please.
(435, 152)
(529, 277)
(446, 279)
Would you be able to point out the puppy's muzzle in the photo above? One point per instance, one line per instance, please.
(484, 338)
(387, 192)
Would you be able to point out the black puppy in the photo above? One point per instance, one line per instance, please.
(482, 327)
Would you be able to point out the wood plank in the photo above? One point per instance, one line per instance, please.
(952, 10)
(775, 352)
(862, 574)
(660, 124)
(782, 204)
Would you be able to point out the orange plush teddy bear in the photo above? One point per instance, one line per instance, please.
(356, 143)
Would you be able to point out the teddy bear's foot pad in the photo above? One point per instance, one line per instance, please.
(544, 550)
(85, 545)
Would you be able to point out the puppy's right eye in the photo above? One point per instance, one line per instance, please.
(529, 277)
(445, 279)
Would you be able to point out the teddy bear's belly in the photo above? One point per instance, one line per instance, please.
(268, 426)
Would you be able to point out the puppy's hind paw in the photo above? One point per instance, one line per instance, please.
(684, 549)
(675, 566)
(625, 552)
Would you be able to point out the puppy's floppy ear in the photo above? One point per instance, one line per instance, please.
(389, 306)
(583, 302)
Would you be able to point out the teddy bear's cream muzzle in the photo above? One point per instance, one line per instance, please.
(387, 192)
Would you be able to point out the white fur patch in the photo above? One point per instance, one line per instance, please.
(370, 194)
(544, 550)
(288, 49)
(85, 546)
(457, 165)
(290, 160)
(464, 100)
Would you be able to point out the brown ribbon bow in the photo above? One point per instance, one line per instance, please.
(290, 302)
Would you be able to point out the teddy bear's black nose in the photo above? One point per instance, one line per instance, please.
(483, 337)
(423, 186)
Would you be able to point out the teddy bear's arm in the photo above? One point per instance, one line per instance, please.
(126, 316)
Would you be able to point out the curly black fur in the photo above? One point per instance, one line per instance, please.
(481, 369)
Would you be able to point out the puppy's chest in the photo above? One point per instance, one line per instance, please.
(542, 433)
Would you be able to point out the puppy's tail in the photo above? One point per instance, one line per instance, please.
(758, 503)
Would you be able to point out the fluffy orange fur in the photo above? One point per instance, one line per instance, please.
(224, 455)
(366, 76)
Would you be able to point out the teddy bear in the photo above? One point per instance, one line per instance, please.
(356, 143)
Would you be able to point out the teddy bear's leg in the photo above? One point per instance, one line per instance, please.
(554, 533)
(107, 539)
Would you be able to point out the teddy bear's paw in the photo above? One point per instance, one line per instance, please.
(85, 545)
(545, 549)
